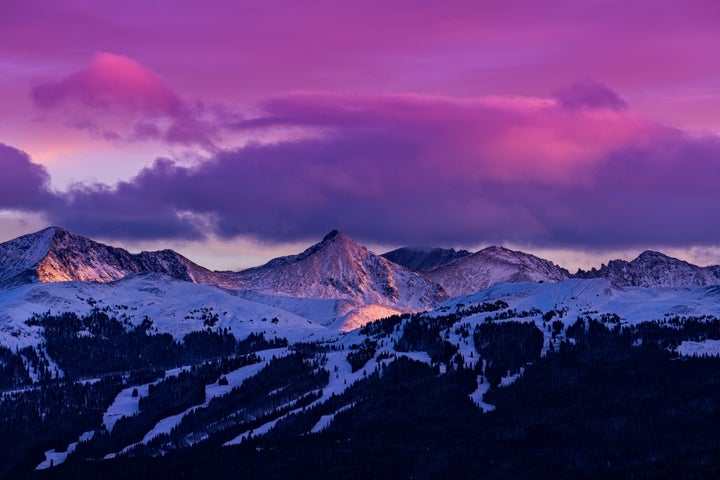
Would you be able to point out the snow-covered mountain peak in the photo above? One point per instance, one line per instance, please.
(333, 234)
(341, 268)
(491, 265)
(503, 253)
(336, 243)
(19, 256)
(654, 269)
(649, 254)
(57, 255)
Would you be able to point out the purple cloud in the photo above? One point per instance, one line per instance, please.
(413, 169)
(23, 184)
(139, 209)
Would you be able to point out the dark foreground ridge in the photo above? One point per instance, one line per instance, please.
(601, 407)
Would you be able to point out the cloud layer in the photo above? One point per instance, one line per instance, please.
(578, 170)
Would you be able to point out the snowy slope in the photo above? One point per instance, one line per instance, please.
(480, 270)
(340, 268)
(337, 314)
(575, 297)
(20, 257)
(56, 255)
(595, 297)
(424, 259)
(169, 304)
(578, 298)
(654, 269)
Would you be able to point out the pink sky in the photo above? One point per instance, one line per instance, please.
(234, 131)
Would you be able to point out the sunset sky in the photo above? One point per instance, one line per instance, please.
(235, 131)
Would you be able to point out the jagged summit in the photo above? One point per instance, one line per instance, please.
(424, 259)
(332, 235)
(334, 238)
(341, 268)
(491, 265)
(654, 269)
(54, 229)
(652, 254)
(57, 255)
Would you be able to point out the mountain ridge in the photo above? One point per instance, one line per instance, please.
(359, 285)
(55, 254)
(491, 265)
(654, 269)
(340, 268)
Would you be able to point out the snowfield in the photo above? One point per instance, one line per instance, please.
(53, 457)
(594, 297)
(326, 420)
(168, 303)
(710, 348)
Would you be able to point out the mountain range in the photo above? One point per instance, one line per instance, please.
(654, 269)
(112, 360)
(337, 283)
(491, 265)
(338, 268)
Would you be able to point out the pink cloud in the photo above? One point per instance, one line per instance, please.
(493, 138)
(118, 99)
(230, 49)
(660, 55)
(111, 82)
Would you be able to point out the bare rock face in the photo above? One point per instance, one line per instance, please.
(424, 259)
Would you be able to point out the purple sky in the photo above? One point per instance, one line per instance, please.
(237, 130)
